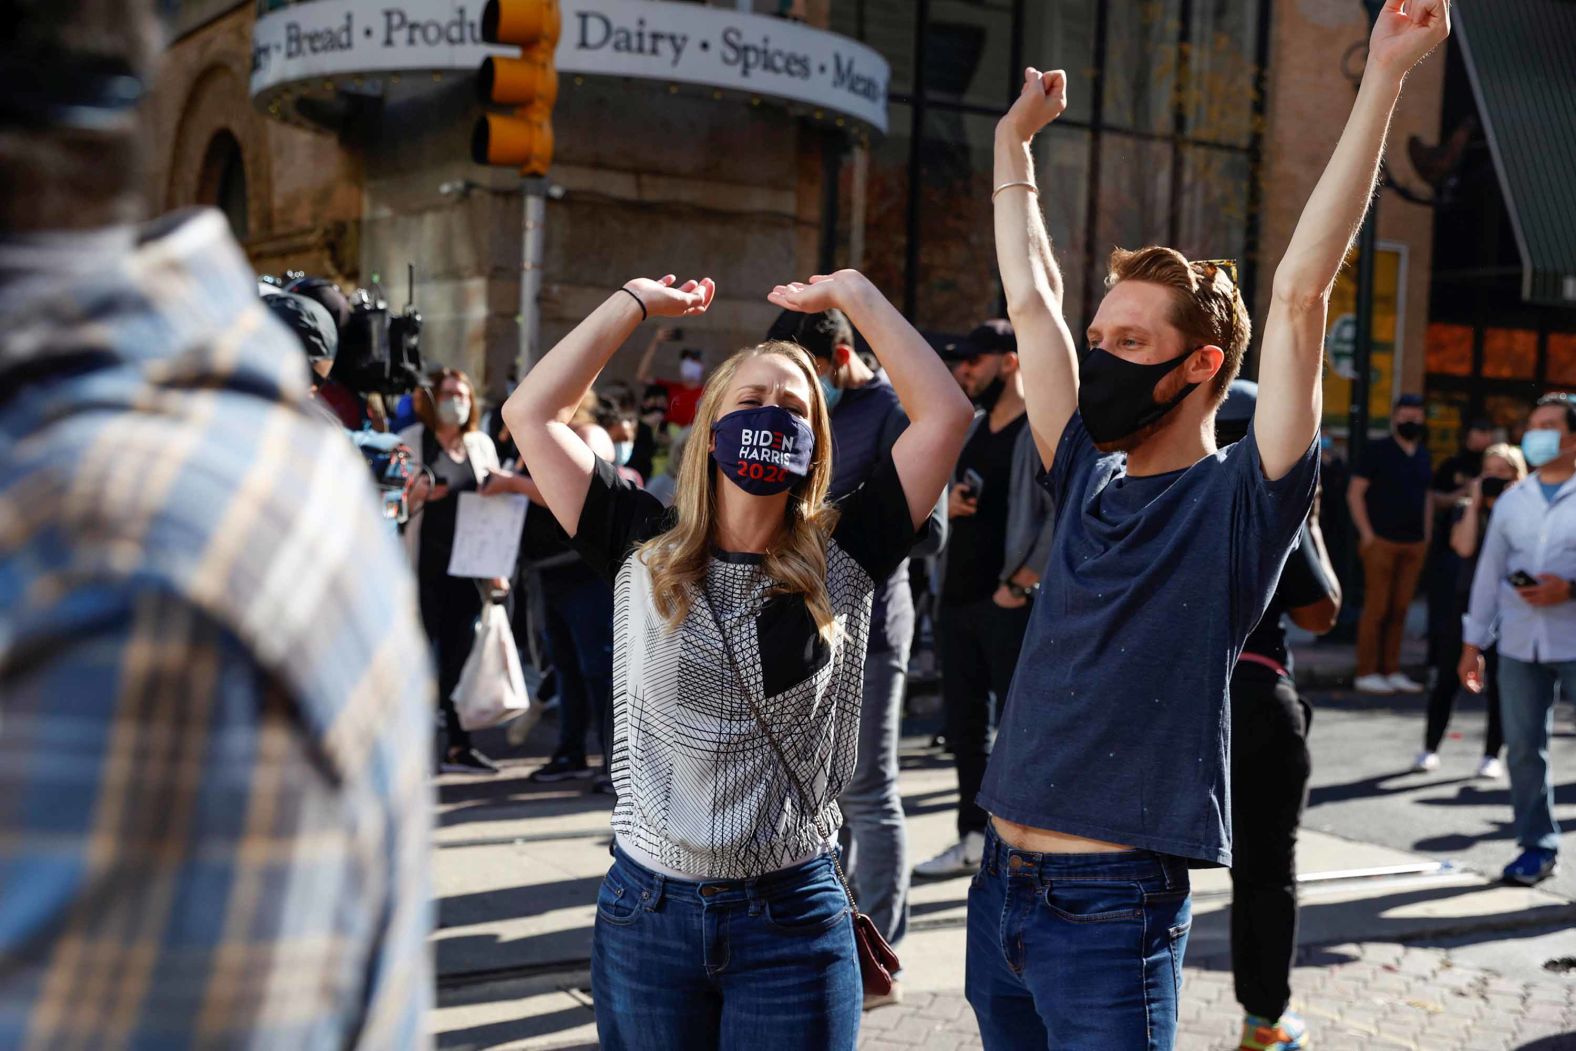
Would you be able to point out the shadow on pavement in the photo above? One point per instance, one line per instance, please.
(1381, 785)
(516, 1029)
(1396, 917)
(515, 903)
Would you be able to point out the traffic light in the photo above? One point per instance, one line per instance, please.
(528, 85)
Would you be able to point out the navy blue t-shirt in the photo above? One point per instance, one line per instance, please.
(1117, 726)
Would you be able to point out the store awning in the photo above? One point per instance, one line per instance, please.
(1521, 58)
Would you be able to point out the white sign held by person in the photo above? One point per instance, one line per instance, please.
(308, 47)
(487, 535)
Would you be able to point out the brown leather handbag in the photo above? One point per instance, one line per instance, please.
(877, 960)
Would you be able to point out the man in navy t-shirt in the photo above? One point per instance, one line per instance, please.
(1110, 770)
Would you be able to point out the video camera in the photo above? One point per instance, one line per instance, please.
(379, 352)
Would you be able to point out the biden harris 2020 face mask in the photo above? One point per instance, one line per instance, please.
(1116, 397)
(764, 451)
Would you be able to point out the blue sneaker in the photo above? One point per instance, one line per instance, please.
(1286, 1033)
(1533, 867)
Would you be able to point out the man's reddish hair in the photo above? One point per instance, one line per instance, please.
(1206, 304)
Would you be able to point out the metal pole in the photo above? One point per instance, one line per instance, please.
(532, 243)
(1362, 351)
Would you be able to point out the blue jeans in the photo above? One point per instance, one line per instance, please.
(580, 643)
(1077, 952)
(765, 962)
(1526, 700)
(875, 839)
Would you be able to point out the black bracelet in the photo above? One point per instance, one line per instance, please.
(639, 301)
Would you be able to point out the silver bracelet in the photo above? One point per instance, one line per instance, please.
(1009, 185)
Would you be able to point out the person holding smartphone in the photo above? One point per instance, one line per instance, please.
(1524, 596)
(1000, 536)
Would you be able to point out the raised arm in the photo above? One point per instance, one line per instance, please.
(1030, 278)
(539, 410)
(1292, 352)
(938, 413)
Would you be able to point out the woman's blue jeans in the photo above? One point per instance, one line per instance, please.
(727, 964)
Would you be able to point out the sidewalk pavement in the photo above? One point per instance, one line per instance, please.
(1404, 958)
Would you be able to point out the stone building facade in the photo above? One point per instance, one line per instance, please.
(657, 179)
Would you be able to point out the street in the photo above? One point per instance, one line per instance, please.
(1433, 953)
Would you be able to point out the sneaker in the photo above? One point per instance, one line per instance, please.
(1533, 867)
(961, 859)
(1400, 683)
(467, 761)
(1491, 769)
(602, 785)
(1287, 1033)
(1425, 763)
(873, 1001)
(1375, 684)
(560, 769)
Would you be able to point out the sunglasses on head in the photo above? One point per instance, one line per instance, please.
(1226, 266)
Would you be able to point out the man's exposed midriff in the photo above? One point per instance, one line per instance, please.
(1044, 841)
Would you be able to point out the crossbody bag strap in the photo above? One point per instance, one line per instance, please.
(771, 739)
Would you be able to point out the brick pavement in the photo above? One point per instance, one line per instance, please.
(1369, 996)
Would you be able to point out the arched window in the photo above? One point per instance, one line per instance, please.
(223, 183)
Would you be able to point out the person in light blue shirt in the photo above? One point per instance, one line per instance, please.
(1524, 594)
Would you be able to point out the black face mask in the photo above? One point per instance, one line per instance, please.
(1117, 397)
(1410, 430)
(991, 394)
(1492, 487)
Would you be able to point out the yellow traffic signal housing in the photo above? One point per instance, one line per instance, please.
(516, 142)
(528, 84)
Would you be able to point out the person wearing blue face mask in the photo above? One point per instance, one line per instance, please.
(741, 622)
(1522, 595)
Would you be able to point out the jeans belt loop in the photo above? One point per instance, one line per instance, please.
(651, 897)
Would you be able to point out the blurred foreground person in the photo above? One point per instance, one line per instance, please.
(213, 690)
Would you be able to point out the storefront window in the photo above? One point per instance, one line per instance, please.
(1448, 349)
(1510, 353)
(1139, 73)
(1161, 114)
(1562, 359)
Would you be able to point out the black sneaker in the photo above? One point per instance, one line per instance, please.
(602, 785)
(467, 761)
(561, 769)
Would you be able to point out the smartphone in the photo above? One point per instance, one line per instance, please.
(974, 482)
(1522, 579)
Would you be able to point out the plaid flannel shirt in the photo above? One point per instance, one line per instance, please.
(215, 708)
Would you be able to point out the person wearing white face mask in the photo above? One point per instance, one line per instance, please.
(450, 444)
(684, 393)
(1524, 594)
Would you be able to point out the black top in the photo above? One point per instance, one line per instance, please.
(1302, 583)
(977, 544)
(1398, 487)
(1456, 471)
(438, 516)
(700, 791)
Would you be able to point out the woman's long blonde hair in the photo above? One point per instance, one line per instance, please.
(677, 560)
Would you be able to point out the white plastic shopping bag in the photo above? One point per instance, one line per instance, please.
(491, 689)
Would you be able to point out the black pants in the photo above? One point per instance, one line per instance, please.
(449, 608)
(580, 641)
(1269, 788)
(978, 643)
(1447, 686)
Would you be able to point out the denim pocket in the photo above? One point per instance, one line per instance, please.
(615, 904)
(1095, 901)
(807, 910)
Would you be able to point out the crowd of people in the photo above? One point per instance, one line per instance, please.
(217, 659)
